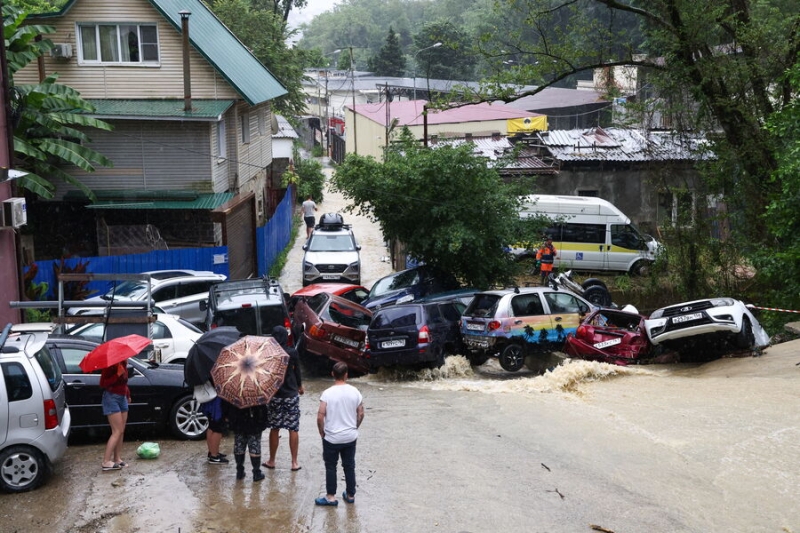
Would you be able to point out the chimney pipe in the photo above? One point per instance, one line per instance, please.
(187, 76)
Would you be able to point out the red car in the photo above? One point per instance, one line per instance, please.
(610, 336)
(348, 291)
(329, 329)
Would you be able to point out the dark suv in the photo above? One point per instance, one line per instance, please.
(253, 306)
(415, 334)
(409, 285)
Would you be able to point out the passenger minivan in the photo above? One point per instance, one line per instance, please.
(590, 233)
(34, 418)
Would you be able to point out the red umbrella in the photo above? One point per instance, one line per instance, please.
(113, 351)
(250, 371)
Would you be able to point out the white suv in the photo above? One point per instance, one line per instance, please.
(34, 418)
(176, 292)
(332, 253)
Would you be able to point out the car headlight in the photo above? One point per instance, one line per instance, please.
(354, 266)
(658, 313)
(308, 267)
(721, 302)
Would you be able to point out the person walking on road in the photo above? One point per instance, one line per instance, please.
(545, 256)
(308, 209)
(116, 396)
(284, 408)
(341, 411)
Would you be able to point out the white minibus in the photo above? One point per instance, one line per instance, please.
(590, 233)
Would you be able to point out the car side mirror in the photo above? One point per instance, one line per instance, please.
(305, 246)
(358, 247)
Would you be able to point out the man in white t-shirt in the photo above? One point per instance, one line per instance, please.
(308, 209)
(341, 411)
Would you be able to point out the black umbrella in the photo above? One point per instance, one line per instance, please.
(205, 351)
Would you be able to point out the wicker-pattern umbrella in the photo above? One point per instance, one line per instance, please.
(250, 371)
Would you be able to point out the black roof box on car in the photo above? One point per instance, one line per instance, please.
(331, 221)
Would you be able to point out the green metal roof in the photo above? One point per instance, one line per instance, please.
(214, 41)
(210, 110)
(169, 201)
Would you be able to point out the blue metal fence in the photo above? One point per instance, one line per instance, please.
(271, 240)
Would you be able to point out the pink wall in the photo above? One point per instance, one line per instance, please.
(9, 276)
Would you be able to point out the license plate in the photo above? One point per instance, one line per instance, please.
(399, 343)
(686, 318)
(330, 276)
(346, 341)
(475, 327)
(606, 344)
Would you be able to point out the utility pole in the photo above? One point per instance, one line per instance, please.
(353, 76)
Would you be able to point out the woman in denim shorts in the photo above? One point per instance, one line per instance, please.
(116, 395)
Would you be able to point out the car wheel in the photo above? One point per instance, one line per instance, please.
(598, 295)
(591, 282)
(745, 338)
(640, 268)
(512, 357)
(186, 420)
(22, 469)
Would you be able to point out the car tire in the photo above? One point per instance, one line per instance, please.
(186, 421)
(512, 357)
(745, 338)
(598, 295)
(592, 282)
(22, 468)
(640, 268)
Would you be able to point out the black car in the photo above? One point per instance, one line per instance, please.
(409, 285)
(414, 334)
(159, 396)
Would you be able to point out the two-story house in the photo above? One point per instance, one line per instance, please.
(192, 130)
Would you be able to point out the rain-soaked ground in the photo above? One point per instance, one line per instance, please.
(658, 448)
(587, 447)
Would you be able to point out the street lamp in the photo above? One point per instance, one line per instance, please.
(434, 45)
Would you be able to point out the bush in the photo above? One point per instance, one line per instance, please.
(310, 179)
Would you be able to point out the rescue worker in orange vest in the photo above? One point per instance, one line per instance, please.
(545, 257)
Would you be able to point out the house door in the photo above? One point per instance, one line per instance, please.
(238, 219)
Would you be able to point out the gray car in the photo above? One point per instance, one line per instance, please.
(34, 418)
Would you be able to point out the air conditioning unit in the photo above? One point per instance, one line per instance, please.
(61, 51)
(15, 213)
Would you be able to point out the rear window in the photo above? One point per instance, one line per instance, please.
(482, 305)
(243, 319)
(271, 316)
(395, 317)
(348, 316)
(49, 367)
(18, 384)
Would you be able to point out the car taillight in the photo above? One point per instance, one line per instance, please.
(493, 325)
(213, 325)
(317, 331)
(288, 325)
(366, 344)
(50, 414)
(585, 332)
(424, 335)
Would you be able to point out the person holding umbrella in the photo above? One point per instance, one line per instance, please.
(112, 357)
(247, 425)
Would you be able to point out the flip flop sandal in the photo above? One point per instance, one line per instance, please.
(110, 468)
(322, 500)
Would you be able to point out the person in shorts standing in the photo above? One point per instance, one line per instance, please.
(284, 408)
(308, 208)
(216, 428)
(341, 411)
(116, 396)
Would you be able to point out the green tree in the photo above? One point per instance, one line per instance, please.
(52, 120)
(265, 33)
(445, 204)
(453, 60)
(389, 61)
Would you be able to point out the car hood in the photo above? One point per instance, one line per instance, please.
(319, 258)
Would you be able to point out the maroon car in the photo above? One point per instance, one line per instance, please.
(329, 329)
(610, 336)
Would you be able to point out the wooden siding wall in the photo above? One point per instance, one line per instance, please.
(222, 170)
(255, 156)
(150, 155)
(105, 81)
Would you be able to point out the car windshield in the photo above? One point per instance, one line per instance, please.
(321, 242)
(482, 305)
(397, 281)
(132, 290)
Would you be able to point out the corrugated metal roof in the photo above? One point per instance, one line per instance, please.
(620, 144)
(494, 148)
(201, 202)
(214, 41)
(409, 113)
(210, 110)
(285, 130)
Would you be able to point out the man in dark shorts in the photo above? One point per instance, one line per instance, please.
(284, 408)
(308, 209)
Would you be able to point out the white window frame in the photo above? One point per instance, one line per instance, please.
(105, 29)
(222, 141)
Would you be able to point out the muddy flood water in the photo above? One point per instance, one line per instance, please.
(587, 447)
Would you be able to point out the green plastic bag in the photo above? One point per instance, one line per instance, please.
(148, 450)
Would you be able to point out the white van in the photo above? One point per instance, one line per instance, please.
(589, 233)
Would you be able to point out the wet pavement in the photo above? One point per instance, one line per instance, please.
(587, 447)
